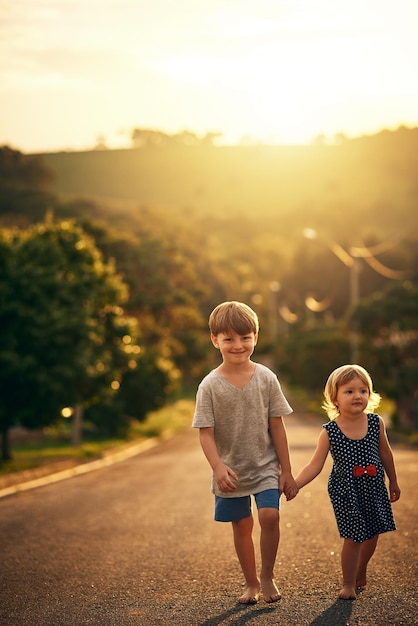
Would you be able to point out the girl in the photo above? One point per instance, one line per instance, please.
(361, 454)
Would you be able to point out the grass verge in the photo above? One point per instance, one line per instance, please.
(53, 446)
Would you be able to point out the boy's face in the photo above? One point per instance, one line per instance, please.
(235, 349)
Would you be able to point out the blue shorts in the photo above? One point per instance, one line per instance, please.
(234, 509)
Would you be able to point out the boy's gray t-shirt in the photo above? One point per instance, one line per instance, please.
(240, 420)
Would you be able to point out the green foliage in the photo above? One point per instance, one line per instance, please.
(61, 325)
(307, 357)
(389, 322)
(165, 284)
(166, 421)
(143, 388)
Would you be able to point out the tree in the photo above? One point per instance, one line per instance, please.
(23, 170)
(388, 323)
(166, 288)
(62, 328)
(24, 187)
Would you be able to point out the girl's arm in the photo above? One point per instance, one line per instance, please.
(221, 471)
(388, 462)
(315, 465)
(279, 436)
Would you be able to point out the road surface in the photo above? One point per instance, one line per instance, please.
(135, 544)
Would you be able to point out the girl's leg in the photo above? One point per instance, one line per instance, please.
(366, 553)
(349, 561)
(244, 548)
(269, 542)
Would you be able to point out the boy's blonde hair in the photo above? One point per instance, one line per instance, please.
(341, 376)
(233, 316)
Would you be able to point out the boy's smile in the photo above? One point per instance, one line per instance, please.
(233, 347)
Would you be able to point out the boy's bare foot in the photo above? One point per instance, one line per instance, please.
(270, 590)
(251, 595)
(347, 593)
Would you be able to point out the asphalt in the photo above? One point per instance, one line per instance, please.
(135, 543)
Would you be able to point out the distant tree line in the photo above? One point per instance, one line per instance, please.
(105, 310)
(149, 137)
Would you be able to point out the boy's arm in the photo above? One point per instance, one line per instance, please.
(386, 457)
(221, 471)
(279, 436)
(315, 465)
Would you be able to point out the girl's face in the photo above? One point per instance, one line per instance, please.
(235, 349)
(353, 397)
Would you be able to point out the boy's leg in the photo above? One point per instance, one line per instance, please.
(269, 542)
(366, 552)
(244, 548)
(349, 561)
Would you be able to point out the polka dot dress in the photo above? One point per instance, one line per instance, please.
(361, 502)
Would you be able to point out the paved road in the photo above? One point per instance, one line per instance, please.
(135, 544)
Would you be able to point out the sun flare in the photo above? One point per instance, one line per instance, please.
(290, 88)
(275, 71)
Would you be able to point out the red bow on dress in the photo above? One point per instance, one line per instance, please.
(370, 470)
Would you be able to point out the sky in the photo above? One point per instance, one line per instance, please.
(275, 71)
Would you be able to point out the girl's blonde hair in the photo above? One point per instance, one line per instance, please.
(233, 316)
(341, 376)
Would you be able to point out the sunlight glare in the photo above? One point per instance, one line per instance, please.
(269, 85)
(275, 72)
(287, 73)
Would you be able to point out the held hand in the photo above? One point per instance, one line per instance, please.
(394, 491)
(288, 486)
(223, 475)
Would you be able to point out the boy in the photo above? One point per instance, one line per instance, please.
(238, 412)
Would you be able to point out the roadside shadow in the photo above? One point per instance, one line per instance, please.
(336, 615)
(244, 613)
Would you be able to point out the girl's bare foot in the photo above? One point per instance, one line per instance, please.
(270, 590)
(347, 593)
(251, 595)
(361, 579)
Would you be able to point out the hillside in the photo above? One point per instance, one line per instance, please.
(370, 173)
(189, 227)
